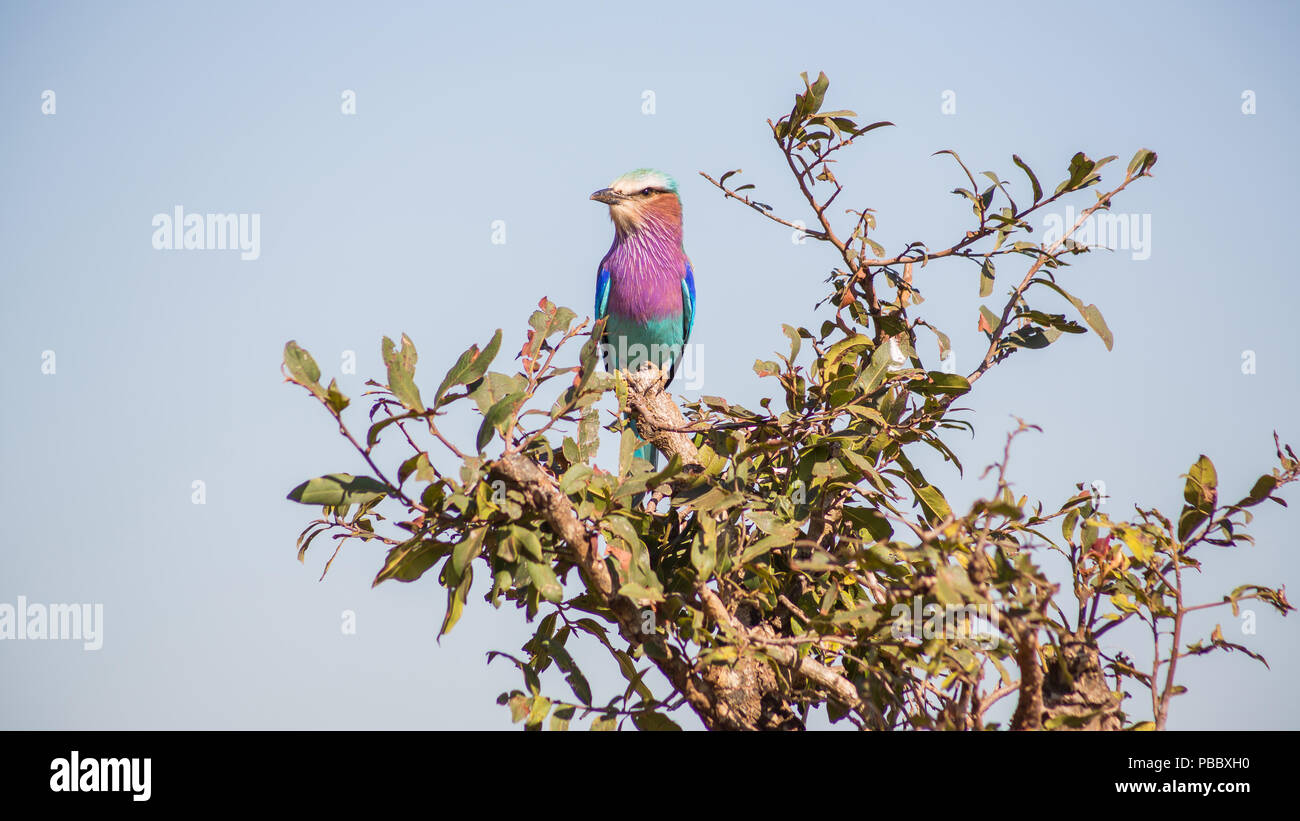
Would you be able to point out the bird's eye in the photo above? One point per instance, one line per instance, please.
(647, 191)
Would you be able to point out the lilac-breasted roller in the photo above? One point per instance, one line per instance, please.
(645, 289)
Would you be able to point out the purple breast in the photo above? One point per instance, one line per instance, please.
(645, 272)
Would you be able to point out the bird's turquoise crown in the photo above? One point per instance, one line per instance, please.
(644, 178)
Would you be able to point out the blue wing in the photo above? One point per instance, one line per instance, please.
(602, 293)
(602, 310)
(688, 303)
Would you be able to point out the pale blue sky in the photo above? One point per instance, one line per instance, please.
(379, 223)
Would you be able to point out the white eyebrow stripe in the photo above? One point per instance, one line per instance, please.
(633, 182)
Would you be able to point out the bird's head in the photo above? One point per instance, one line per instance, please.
(640, 197)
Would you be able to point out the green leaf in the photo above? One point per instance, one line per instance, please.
(1056, 321)
(938, 382)
(338, 489)
(456, 598)
(1081, 174)
(622, 529)
(1068, 524)
(470, 367)
(990, 320)
(640, 593)
(871, 127)
(986, 277)
(766, 367)
(945, 344)
(766, 544)
(932, 502)
(874, 522)
(874, 375)
(1090, 313)
(495, 387)
(401, 373)
(1032, 337)
(953, 586)
(589, 434)
(627, 445)
(654, 722)
(795, 341)
(1033, 180)
(1262, 489)
(561, 718)
(335, 398)
(466, 549)
(496, 418)
(1093, 317)
(545, 581)
(303, 370)
(520, 705)
(541, 706)
(1201, 494)
(1141, 162)
(953, 154)
(816, 94)
(575, 478)
(704, 557)
(579, 685)
(1142, 548)
(550, 320)
(1066, 720)
(419, 465)
(1202, 483)
(528, 542)
(408, 561)
(372, 435)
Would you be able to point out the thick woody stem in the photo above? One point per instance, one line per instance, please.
(1029, 710)
(658, 418)
(543, 496)
(841, 689)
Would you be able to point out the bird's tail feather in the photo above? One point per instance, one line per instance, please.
(646, 451)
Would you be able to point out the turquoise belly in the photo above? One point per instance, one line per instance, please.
(629, 343)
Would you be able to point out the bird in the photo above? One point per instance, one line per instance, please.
(645, 287)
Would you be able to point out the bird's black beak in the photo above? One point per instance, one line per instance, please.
(608, 196)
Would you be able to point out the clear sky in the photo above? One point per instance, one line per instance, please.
(166, 363)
